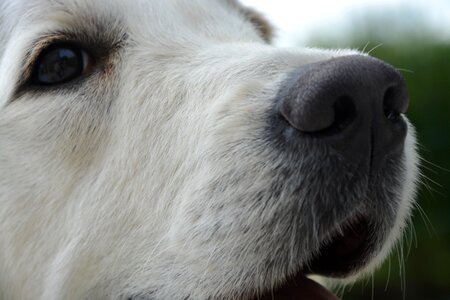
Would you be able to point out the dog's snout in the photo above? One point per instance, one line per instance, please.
(355, 103)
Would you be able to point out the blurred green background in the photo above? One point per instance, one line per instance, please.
(403, 40)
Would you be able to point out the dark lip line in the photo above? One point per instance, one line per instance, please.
(338, 231)
(354, 216)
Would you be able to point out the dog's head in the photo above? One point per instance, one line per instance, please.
(165, 150)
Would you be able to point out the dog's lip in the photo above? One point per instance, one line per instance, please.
(345, 251)
(299, 287)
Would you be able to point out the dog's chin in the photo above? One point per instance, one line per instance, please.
(343, 253)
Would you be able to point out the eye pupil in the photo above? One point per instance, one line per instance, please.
(58, 64)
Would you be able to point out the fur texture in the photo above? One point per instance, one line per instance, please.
(156, 176)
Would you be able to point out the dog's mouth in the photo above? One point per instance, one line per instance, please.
(345, 252)
(342, 255)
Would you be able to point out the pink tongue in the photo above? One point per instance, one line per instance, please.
(300, 288)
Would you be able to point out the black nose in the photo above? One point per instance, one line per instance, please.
(353, 103)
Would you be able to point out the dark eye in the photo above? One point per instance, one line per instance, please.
(59, 64)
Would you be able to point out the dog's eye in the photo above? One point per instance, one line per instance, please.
(60, 63)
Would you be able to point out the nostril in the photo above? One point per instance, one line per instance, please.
(338, 115)
(392, 116)
(391, 104)
(344, 113)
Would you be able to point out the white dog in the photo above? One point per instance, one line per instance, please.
(166, 150)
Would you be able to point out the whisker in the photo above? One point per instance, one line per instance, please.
(340, 291)
(373, 286)
(429, 169)
(431, 180)
(405, 70)
(434, 165)
(409, 237)
(399, 260)
(432, 191)
(374, 48)
(426, 181)
(403, 272)
(427, 221)
(388, 274)
(365, 47)
(427, 186)
(416, 243)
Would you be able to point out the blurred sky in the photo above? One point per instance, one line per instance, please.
(298, 19)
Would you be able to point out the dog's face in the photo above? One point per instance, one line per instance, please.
(165, 150)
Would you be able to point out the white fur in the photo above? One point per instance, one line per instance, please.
(105, 190)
